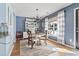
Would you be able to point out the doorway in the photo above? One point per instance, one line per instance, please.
(77, 28)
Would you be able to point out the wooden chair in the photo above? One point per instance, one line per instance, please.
(19, 36)
(30, 39)
(44, 37)
(25, 35)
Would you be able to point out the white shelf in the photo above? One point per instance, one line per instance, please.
(61, 27)
(30, 24)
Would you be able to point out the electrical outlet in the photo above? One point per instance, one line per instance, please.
(70, 40)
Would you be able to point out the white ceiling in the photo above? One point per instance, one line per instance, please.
(29, 9)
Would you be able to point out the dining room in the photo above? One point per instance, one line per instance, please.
(41, 30)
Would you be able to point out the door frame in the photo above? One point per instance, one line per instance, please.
(75, 26)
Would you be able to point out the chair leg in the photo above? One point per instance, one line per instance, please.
(45, 42)
(32, 44)
(28, 43)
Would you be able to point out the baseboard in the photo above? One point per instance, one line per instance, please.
(11, 49)
(60, 43)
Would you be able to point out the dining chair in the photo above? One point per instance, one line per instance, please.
(44, 37)
(30, 39)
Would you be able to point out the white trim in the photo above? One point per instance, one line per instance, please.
(75, 26)
(61, 44)
(11, 49)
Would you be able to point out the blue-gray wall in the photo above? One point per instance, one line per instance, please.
(20, 24)
(2, 12)
(69, 23)
(2, 19)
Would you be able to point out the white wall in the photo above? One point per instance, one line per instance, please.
(6, 43)
(12, 29)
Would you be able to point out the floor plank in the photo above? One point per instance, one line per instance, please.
(16, 49)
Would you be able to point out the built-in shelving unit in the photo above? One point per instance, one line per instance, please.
(56, 25)
(30, 24)
(52, 24)
(61, 27)
(59, 19)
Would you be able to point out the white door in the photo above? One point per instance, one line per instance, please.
(77, 28)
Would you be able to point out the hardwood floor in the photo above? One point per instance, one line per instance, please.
(16, 49)
(59, 45)
(62, 48)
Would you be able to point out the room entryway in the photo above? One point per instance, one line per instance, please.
(77, 28)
